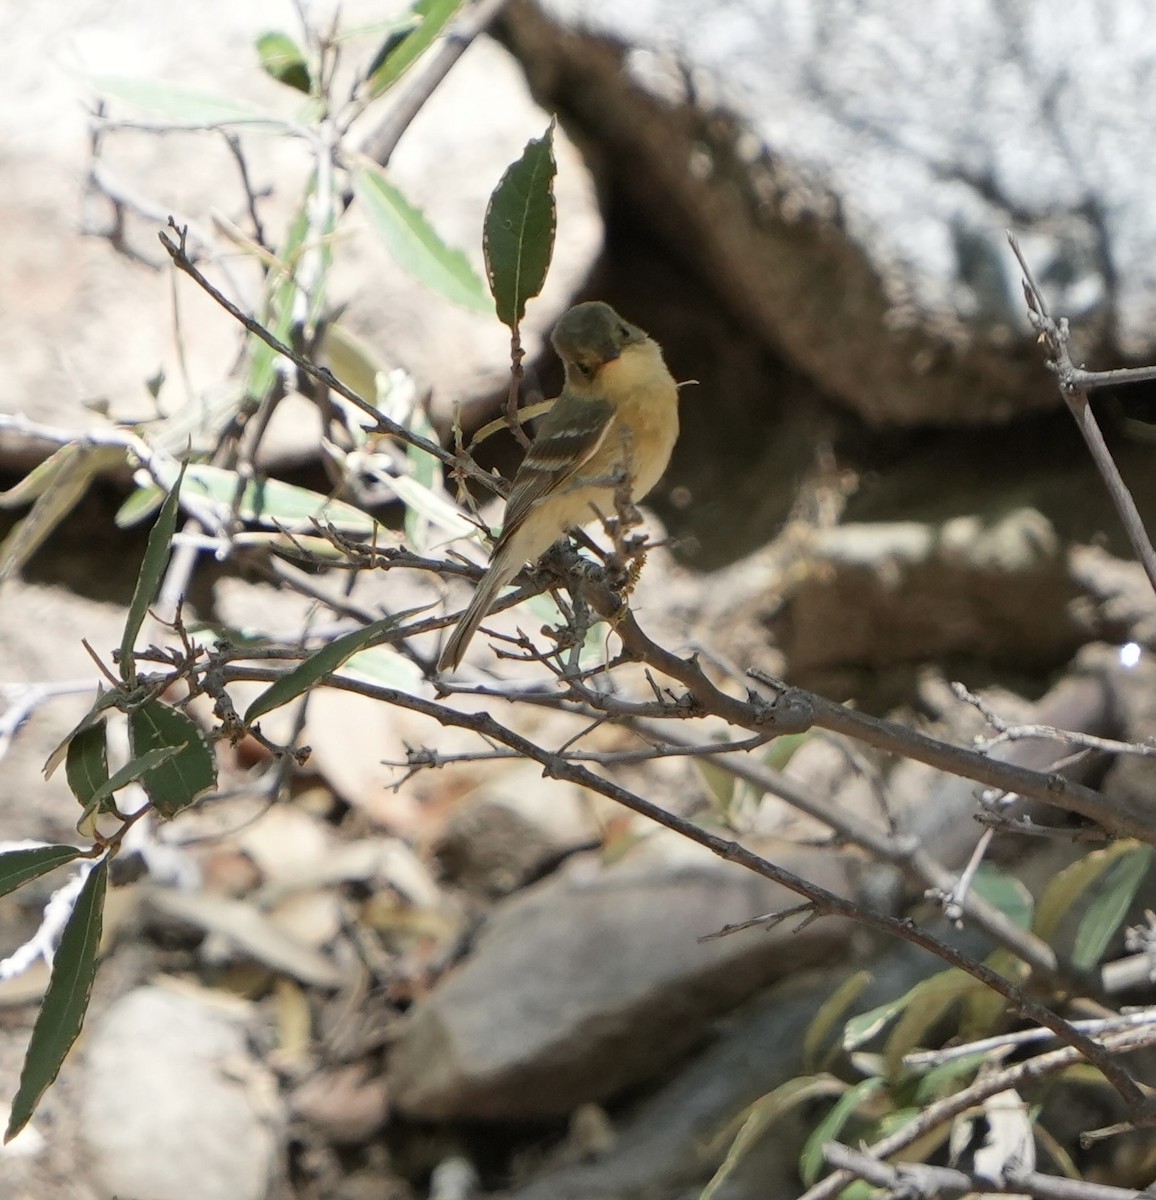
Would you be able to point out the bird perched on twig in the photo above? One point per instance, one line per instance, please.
(615, 421)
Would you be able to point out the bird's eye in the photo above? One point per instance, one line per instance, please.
(586, 370)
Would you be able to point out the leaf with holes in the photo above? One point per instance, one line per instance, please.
(518, 234)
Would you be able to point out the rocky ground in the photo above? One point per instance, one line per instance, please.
(479, 981)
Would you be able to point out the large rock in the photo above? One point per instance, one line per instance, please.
(843, 175)
(595, 979)
(174, 1105)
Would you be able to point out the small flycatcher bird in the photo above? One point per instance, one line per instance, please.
(617, 417)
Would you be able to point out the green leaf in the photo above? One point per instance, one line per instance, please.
(406, 44)
(129, 773)
(277, 314)
(518, 233)
(320, 665)
(182, 776)
(19, 867)
(1008, 894)
(151, 572)
(388, 667)
(139, 506)
(416, 246)
(86, 763)
(426, 476)
(1066, 889)
(104, 701)
(938, 1080)
(831, 1012)
(58, 485)
(761, 1115)
(1107, 912)
(61, 1015)
(271, 502)
(181, 106)
(862, 1028)
(923, 1006)
(282, 58)
(354, 362)
(829, 1128)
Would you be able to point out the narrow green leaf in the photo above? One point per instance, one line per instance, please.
(354, 362)
(518, 233)
(280, 302)
(271, 502)
(60, 488)
(1107, 912)
(862, 1028)
(103, 701)
(923, 1006)
(18, 867)
(282, 59)
(61, 1015)
(151, 572)
(320, 665)
(180, 778)
(131, 771)
(385, 665)
(415, 244)
(938, 1081)
(402, 49)
(139, 506)
(831, 1126)
(183, 106)
(1065, 890)
(763, 1114)
(86, 763)
(1008, 894)
(40, 478)
(830, 1013)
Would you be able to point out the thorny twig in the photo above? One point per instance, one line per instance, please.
(1074, 387)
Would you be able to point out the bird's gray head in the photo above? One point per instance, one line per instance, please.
(592, 334)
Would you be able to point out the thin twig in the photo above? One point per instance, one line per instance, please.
(826, 903)
(1075, 394)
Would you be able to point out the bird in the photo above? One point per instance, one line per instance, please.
(616, 418)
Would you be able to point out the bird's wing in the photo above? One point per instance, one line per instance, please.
(568, 436)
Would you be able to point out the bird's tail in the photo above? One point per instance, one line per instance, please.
(499, 574)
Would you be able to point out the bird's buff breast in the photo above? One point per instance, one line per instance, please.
(648, 408)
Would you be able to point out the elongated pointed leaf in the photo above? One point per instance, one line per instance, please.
(151, 572)
(401, 51)
(185, 106)
(518, 234)
(86, 764)
(831, 1126)
(139, 506)
(320, 665)
(17, 867)
(416, 245)
(1107, 912)
(830, 1013)
(178, 779)
(763, 1114)
(283, 59)
(65, 478)
(133, 770)
(1065, 890)
(103, 702)
(272, 502)
(61, 1015)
